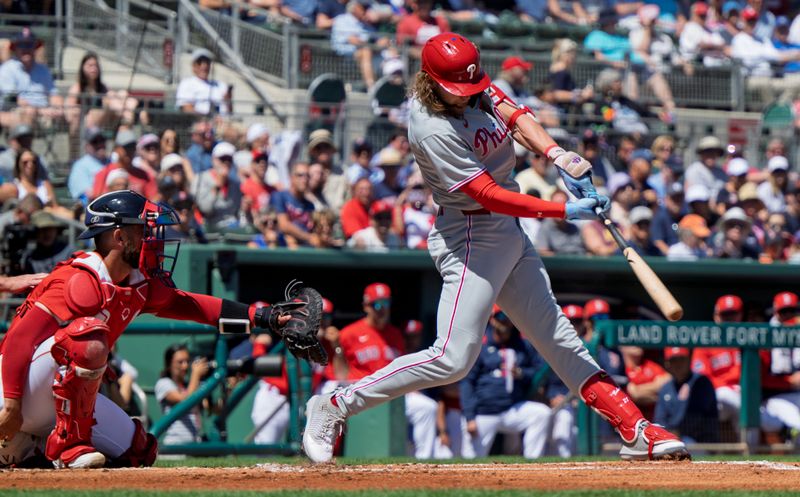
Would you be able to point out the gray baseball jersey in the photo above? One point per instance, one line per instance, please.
(483, 259)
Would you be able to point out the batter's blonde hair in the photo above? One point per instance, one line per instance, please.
(424, 89)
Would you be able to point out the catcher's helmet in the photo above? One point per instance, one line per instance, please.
(127, 208)
(455, 63)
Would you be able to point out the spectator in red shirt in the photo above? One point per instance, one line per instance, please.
(355, 212)
(255, 190)
(139, 180)
(723, 366)
(372, 343)
(645, 378)
(420, 25)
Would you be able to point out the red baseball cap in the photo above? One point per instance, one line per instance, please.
(379, 207)
(749, 13)
(413, 327)
(728, 303)
(700, 8)
(671, 352)
(784, 300)
(327, 306)
(573, 311)
(514, 61)
(596, 306)
(377, 291)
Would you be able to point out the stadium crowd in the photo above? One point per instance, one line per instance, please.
(668, 201)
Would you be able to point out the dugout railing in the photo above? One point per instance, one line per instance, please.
(748, 337)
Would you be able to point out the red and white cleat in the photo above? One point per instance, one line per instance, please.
(654, 443)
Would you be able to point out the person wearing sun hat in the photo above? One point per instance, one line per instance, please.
(706, 170)
(734, 239)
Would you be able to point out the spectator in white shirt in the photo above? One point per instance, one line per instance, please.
(757, 55)
(698, 43)
(773, 191)
(199, 94)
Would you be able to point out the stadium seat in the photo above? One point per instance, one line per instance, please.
(326, 105)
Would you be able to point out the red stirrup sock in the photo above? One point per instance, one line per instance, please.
(610, 401)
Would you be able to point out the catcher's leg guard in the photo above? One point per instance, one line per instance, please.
(81, 350)
(612, 403)
(142, 452)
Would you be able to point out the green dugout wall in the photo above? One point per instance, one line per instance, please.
(252, 274)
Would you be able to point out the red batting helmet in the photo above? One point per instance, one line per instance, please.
(455, 63)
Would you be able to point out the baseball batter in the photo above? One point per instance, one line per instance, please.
(55, 353)
(461, 129)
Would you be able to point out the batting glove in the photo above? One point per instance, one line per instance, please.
(580, 187)
(584, 208)
(569, 162)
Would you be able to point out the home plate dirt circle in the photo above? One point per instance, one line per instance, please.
(750, 475)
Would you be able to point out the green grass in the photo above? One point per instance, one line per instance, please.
(400, 493)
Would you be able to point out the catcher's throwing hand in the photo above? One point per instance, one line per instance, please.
(297, 320)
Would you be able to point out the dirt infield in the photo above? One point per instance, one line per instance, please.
(558, 476)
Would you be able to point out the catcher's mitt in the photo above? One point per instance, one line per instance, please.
(304, 305)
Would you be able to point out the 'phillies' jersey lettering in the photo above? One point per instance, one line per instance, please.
(483, 136)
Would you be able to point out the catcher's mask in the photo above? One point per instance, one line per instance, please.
(127, 208)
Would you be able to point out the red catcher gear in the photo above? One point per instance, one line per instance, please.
(81, 348)
(455, 63)
(611, 402)
(141, 453)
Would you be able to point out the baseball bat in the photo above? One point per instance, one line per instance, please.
(663, 298)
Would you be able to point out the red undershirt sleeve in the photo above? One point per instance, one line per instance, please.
(495, 198)
(174, 303)
(19, 345)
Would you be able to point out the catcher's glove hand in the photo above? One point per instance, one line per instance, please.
(304, 306)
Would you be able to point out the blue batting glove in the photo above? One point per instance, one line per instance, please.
(579, 187)
(603, 201)
(583, 208)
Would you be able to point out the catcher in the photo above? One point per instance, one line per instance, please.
(58, 343)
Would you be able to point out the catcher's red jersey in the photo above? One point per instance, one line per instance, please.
(367, 349)
(80, 287)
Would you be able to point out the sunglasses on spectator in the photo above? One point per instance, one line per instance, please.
(29, 161)
(643, 224)
(300, 175)
(151, 146)
(225, 158)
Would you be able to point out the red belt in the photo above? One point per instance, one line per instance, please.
(476, 212)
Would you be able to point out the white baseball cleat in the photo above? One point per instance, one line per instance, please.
(654, 443)
(324, 424)
(83, 461)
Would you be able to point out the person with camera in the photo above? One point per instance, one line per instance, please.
(55, 353)
(173, 388)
